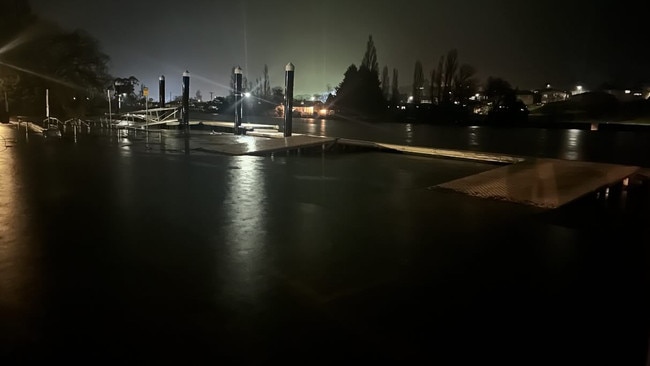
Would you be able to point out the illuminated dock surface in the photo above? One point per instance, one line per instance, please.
(256, 145)
(547, 183)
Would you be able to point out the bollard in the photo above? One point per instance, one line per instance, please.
(288, 99)
(238, 99)
(161, 91)
(186, 102)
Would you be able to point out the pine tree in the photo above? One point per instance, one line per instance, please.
(266, 83)
(385, 87)
(395, 99)
(451, 65)
(360, 90)
(418, 82)
(438, 79)
(370, 57)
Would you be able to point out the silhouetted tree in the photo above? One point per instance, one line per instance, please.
(14, 17)
(464, 83)
(451, 65)
(418, 82)
(395, 99)
(370, 57)
(266, 83)
(124, 90)
(506, 108)
(385, 87)
(257, 90)
(69, 64)
(126, 85)
(233, 80)
(346, 93)
(360, 91)
(437, 83)
(277, 95)
(498, 91)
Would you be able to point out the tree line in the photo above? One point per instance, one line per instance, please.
(36, 54)
(451, 86)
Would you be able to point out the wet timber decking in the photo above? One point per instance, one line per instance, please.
(547, 183)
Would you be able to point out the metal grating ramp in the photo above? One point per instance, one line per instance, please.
(547, 183)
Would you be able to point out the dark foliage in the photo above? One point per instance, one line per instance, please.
(38, 55)
(360, 93)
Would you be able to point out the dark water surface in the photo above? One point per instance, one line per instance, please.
(608, 146)
(111, 253)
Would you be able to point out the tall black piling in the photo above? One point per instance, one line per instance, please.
(288, 99)
(161, 91)
(185, 124)
(239, 105)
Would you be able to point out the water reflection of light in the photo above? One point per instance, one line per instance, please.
(316, 127)
(322, 128)
(473, 136)
(572, 142)
(408, 129)
(12, 221)
(245, 226)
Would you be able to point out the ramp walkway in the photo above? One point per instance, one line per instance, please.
(547, 183)
(428, 151)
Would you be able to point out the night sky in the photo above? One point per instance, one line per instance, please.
(526, 42)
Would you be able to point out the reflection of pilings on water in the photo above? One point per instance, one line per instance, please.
(628, 195)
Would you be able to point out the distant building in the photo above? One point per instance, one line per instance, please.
(307, 109)
(550, 95)
(528, 97)
(630, 94)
